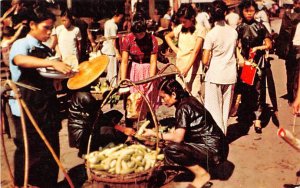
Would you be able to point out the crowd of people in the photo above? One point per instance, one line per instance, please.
(220, 43)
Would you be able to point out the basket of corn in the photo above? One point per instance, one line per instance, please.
(123, 164)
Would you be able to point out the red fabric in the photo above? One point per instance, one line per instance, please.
(248, 74)
(140, 50)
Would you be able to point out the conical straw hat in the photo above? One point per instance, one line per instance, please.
(89, 71)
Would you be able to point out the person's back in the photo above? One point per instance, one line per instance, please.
(232, 19)
(83, 28)
(223, 39)
(219, 56)
(262, 16)
(287, 45)
(202, 19)
(201, 125)
(110, 29)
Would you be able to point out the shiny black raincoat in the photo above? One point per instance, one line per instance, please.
(204, 142)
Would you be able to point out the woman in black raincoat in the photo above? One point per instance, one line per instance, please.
(253, 39)
(197, 142)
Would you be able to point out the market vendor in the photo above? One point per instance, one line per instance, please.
(84, 109)
(26, 55)
(197, 142)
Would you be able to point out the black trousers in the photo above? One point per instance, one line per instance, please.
(188, 154)
(43, 170)
(292, 71)
(253, 97)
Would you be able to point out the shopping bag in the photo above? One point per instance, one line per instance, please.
(248, 73)
(133, 105)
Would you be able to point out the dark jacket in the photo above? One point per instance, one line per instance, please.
(287, 31)
(82, 113)
(201, 129)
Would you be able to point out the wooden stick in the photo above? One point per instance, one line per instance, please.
(13, 86)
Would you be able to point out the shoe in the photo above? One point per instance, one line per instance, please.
(258, 130)
(275, 119)
(207, 185)
(257, 126)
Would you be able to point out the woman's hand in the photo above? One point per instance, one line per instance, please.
(296, 107)
(118, 57)
(61, 67)
(263, 47)
(254, 49)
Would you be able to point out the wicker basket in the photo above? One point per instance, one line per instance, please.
(133, 180)
(138, 180)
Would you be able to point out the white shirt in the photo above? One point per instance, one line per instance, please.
(261, 16)
(221, 41)
(202, 19)
(110, 29)
(167, 16)
(67, 40)
(296, 39)
(232, 19)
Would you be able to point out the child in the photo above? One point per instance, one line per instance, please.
(69, 37)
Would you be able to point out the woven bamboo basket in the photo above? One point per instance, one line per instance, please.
(136, 180)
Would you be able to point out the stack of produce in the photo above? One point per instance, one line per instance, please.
(123, 159)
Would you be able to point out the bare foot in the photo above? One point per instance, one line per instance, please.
(201, 180)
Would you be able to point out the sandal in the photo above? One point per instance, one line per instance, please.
(206, 185)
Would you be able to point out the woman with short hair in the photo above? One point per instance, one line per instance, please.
(254, 39)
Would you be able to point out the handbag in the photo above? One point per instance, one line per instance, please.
(133, 105)
(250, 69)
(248, 73)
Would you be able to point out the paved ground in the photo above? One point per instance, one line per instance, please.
(259, 162)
